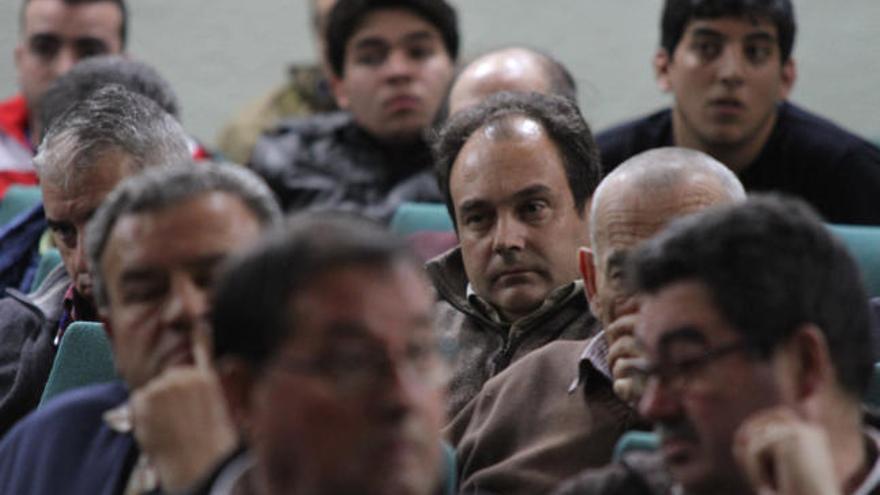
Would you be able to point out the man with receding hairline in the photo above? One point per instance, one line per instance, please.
(577, 392)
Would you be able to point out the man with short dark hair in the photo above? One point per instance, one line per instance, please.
(54, 35)
(337, 382)
(517, 172)
(755, 333)
(93, 146)
(579, 392)
(154, 247)
(391, 63)
(729, 67)
(510, 69)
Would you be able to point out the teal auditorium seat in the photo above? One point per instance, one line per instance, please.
(18, 199)
(450, 470)
(84, 357)
(415, 217)
(49, 260)
(864, 244)
(633, 441)
(872, 396)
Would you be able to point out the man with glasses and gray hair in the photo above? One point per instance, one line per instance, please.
(154, 247)
(93, 146)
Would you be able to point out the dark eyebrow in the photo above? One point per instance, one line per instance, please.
(57, 224)
(706, 32)
(535, 190)
(371, 43)
(687, 333)
(763, 36)
(472, 204)
(419, 36)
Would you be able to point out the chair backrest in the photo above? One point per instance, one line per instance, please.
(864, 243)
(84, 358)
(450, 470)
(416, 217)
(872, 396)
(633, 441)
(48, 260)
(18, 199)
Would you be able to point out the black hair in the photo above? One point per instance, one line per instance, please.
(560, 119)
(347, 16)
(770, 265)
(677, 14)
(252, 318)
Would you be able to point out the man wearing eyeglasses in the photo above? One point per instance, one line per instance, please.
(55, 34)
(337, 381)
(754, 328)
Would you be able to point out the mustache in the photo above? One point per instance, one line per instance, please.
(678, 428)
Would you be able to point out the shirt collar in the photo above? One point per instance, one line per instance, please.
(553, 298)
(595, 356)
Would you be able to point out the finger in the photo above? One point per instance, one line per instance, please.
(201, 347)
(625, 347)
(625, 325)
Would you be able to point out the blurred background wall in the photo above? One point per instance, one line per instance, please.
(220, 54)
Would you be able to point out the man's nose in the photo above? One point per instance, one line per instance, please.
(399, 65)
(187, 303)
(658, 401)
(510, 234)
(80, 259)
(64, 61)
(730, 65)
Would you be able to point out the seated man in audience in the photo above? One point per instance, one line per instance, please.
(92, 147)
(392, 61)
(729, 66)
(510, 69)
(560, 410)
(306, 92)
(754, 329)
(517, 171)
(20, 239)
(54, 35)
(154, 247)
(338, 378)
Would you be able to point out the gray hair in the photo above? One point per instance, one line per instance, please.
(163, 187)
(665, 169)
(111, 119)
(92, 74)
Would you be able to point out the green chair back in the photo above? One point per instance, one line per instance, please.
(864, 244)
(49, 260)
(17, 200)
(416, 217)
(872, 396)
(84, 358)
(450, 470)
(633, 441)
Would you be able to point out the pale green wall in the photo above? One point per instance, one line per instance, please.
(220, 53)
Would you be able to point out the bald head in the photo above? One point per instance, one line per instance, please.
(662, 183)
(510, 69)
(635, 201)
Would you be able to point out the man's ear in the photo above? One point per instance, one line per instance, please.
(340, 93)
(237, 380)
(810, 363)
(789, 76)
(662, 60)
(588, 271)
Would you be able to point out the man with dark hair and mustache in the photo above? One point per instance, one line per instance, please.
(755, 344)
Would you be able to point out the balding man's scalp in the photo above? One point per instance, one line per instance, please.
(665, 170)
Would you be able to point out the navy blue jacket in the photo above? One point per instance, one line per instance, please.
(65, 447)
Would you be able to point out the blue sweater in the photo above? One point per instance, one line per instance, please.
(65, 447)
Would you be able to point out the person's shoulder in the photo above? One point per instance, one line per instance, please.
(820, 135)
(82, 407)
(639, 473)
(313, 126)
(624, 140)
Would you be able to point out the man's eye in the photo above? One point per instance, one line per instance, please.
(420, 52)
(707, 50)
(90, 48)
(64, 235)
(534, 210)
(140, 293)
(373, 57)
(476, 221)
(758, 54)
(46, 47)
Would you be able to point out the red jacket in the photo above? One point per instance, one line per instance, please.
(16, 152)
